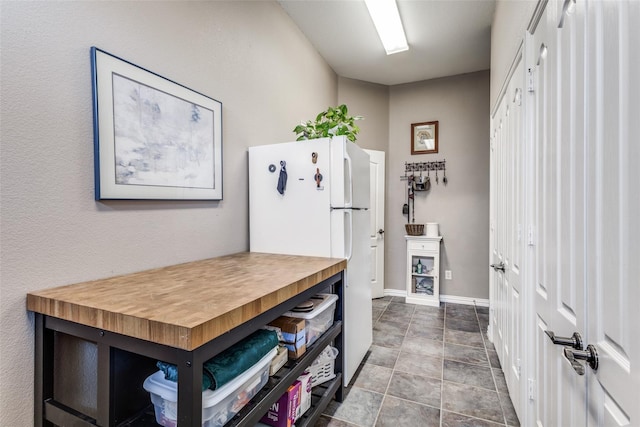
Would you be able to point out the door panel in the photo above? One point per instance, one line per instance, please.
(559, 141)
(585, 202)
(499, 294)
(570, 314)
(507, 209)
(376, 209)
(513, 235)
(613, 210)
(580, 265)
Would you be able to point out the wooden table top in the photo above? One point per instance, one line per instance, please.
(186, 305)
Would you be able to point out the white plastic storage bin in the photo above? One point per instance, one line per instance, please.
(318, 320)
(218, 406)
(322, 369)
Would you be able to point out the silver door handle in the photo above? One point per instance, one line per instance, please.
(381, 232)
(590, 355)
(498, 267)
(575, 341)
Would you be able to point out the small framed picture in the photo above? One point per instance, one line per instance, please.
(424, 138)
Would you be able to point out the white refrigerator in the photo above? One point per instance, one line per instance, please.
(321, 210)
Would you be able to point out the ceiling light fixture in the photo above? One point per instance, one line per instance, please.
(386, 18)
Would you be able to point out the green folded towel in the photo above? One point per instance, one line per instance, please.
(232, 362)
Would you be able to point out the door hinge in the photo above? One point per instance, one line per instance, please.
(530, 87)
(530, 237)
(517, 98)
(531, 389)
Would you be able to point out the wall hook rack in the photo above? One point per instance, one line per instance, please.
(412, 167)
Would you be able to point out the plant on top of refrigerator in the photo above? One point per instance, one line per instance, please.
(333, 121)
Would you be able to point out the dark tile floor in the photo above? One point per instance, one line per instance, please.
(428, 366)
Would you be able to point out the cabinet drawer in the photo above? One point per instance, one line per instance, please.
(424, 246)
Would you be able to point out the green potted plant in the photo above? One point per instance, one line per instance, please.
(333, 121)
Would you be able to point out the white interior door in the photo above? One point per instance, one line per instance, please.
(559, 213)
(507, 210)
(514, 216)
(586, 95)
(498, 298)
(613, 211)
(376, 228)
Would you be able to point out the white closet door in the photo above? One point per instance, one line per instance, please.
(498, 298)
(560, 304)
(506, 231)
(514, 209)
(586, 140)
(613, 211)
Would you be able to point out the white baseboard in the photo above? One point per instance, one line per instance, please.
(395, 292)
(480, 302)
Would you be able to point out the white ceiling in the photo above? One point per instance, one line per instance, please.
(446, 37)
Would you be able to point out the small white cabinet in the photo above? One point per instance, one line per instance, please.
(423, 270)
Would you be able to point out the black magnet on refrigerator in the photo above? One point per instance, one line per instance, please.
(318, 178)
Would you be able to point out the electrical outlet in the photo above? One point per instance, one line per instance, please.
(447, 274)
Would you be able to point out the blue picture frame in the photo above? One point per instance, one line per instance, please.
(154, 139)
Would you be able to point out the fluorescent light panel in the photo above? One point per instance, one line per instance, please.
(386, 18)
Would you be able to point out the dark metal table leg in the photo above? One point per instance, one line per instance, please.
(189, 391)
(43, 372)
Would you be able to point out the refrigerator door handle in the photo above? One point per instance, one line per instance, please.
(348, 182)
(349, 234)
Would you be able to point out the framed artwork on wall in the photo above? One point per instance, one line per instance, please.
(424, 138)
(154, 139)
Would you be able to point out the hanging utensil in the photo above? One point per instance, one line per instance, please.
(405, 207)
(409, 184)
(444, 171)
(436, 174)
(413, 207)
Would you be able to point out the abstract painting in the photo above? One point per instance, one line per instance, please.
(153, 138)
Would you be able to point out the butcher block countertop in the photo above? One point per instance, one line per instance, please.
(186, 305)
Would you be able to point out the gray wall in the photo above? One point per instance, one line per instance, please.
(461, 105)
(370, 101)
(248, 55)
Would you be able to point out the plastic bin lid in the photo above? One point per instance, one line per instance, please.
(168, 390)
(327, 300)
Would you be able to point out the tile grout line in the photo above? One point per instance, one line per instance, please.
(393, 369)
(384, 395)
(493, 376)
(444, 333)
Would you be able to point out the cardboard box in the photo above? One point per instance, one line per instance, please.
(293, 334)
(279, 361)
(283, 412)
(305, 394)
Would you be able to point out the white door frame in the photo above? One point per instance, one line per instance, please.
(376, 232)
